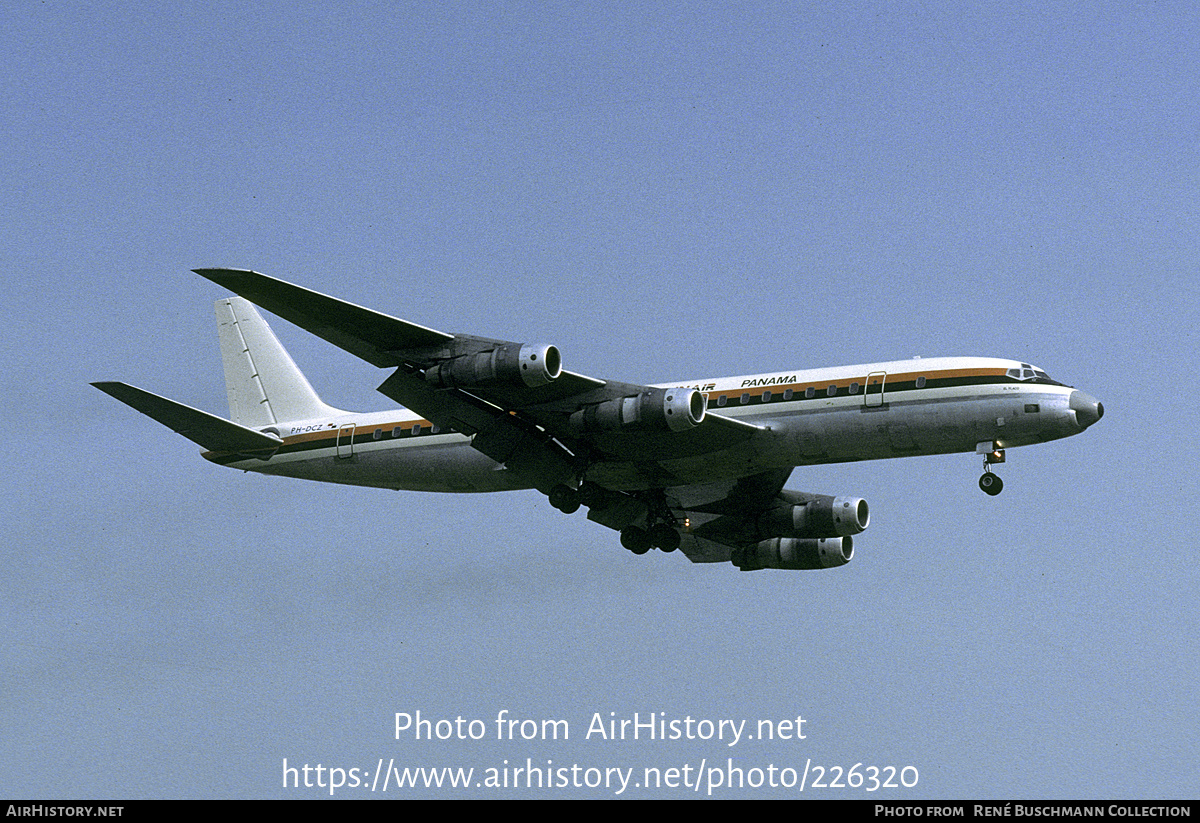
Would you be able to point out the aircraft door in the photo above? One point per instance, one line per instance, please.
(874, 392)
(345, 440)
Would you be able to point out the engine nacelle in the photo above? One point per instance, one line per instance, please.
(654, 410)
(818, 516)
(795, 553)
(512, 363)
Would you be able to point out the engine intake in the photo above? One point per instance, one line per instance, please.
(654, 410)
(795, 553)
(512, 363)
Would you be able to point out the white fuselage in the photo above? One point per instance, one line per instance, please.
(834, 415)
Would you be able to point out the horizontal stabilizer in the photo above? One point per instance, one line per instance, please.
(212, 432)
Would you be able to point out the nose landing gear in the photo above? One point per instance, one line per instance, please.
(991, 483)
(992, 453)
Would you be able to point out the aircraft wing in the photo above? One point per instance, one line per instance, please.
(375, 337)
(522, 409)
(748, 520)
(716, 513)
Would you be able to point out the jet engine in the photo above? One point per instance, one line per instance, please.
(654, 410)
(511, 363)
(816, 515)
(795, 553)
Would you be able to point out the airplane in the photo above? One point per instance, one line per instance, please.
(698, 466)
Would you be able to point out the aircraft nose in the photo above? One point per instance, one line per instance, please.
(1087, 408)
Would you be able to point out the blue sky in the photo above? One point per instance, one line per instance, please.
(665, 192)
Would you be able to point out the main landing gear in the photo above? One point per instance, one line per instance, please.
(990, 483)
(565, 499)
(640, 541)
(659, 532)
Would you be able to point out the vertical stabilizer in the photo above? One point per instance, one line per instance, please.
(265, 386)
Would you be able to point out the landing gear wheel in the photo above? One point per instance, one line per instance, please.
(664, 536)
(636, 539)
(991, 484)
(565, 499)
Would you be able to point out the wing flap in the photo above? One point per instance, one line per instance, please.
(506, 438)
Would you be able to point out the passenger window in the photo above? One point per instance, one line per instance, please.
(810, 392)
(745, 398)
(396, 431)
(416, 429)
(722, 400)
(378, 433)
(921, 382)
(1032, 408)
(787, 394)
(854, 388)
(766, 397)
(831, 391)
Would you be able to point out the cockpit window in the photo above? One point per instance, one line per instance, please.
(1029, 372)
